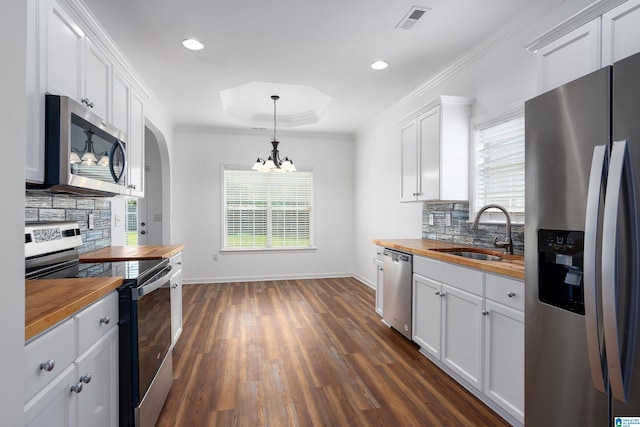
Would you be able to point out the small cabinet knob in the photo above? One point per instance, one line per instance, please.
(76, 388)
(485, 312)
(143, 232)
(105, 320)
(511, 294)
(48, 365)
(86, 378)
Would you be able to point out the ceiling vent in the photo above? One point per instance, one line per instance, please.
(411, 17)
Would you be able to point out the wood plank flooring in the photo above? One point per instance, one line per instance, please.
(304, 353)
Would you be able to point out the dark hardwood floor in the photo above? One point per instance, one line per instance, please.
(304, 353)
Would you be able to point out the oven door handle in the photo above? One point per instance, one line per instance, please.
(137, 293)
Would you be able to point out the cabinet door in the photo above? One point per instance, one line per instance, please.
(569, 57)
(462, 334)
(121, 90)
(135, 145)
(176, 306)
(379, 287)
(429, 151)
(98, 400)
(97, 81)
(620, 32)
(34, 167)
(409, 166)
(65, 41)
(55, 405)
(504, 358)
(427, 312)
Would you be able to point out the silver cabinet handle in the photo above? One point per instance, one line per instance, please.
(86, 102)
(76, 388)
(511, 294)
(48, 365)
(485, 312)
(86, 378)
(438, 293)
(595, 341)
(105, 320)
(179, 263)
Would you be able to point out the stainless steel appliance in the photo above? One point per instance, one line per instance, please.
(581, 250)
(396, 294)
(83, 154)
(145, 358)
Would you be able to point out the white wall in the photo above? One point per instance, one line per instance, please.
(12, 166)
(197, 161)
(503, 75)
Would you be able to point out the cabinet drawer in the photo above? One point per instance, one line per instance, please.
(505, 291)
(57, 345)
(97, 320)
(462, 278)
(176, 262)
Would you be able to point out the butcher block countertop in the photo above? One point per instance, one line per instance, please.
(49, 301)
(127, 253)
(511, 265)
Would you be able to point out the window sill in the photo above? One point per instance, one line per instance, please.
(265, 250)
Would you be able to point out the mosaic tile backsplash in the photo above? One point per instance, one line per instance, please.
(41, 206)
(460, 229)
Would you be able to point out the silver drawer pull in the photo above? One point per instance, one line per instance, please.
(105, 320)
(511, 294)
(76, 388)
(485, 312)
(86, 378)
(48, 365)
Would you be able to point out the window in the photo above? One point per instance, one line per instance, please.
(499, 167)
(267, 210)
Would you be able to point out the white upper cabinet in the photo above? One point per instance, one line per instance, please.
(97, 93)
(620, 36)
(64, 54)
(65, 58)
(434, 143)
(572, 56)
(607, 31)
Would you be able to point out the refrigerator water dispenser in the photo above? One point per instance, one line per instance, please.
(561, 260)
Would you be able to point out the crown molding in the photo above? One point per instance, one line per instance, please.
(589, 13)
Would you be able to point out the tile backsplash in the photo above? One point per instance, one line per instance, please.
(41, 206)
(460, 229)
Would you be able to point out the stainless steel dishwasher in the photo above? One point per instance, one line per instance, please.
(397, 284)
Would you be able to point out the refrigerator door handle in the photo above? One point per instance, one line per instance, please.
(592, 301)
(620, 342)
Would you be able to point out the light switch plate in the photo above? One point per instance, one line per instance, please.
(431, 220)
(447, 219)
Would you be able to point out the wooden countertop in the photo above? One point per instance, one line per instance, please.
(511, 265)
(48, 301)
(126, 253)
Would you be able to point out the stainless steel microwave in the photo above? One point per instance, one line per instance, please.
(83, 153)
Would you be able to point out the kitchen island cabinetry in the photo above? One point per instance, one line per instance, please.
(471, 324)
(72, 369)
(434, 143)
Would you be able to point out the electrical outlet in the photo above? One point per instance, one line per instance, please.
(215, 257)
(447, 219)
(431, 219)
(90, 225)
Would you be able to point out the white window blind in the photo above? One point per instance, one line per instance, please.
(499, 167)
(267, 210)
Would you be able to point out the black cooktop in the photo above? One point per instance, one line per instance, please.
(130, 270)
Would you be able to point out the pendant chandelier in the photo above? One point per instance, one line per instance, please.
(273, 163)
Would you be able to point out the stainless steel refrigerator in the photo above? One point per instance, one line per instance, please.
(581, 250)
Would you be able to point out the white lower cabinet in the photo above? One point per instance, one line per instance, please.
(176, 297)
(81, 391)
(504, 357)
(462, 334)
(379, 288)
(471, 324)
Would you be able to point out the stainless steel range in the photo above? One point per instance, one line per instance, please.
(145, 361)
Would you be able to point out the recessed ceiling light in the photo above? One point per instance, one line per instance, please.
(192, 44)
(379, 65)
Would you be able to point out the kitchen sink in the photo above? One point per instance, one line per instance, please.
(476, 255)
(473, 253)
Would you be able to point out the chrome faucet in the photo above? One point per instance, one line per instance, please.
(507, 244)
